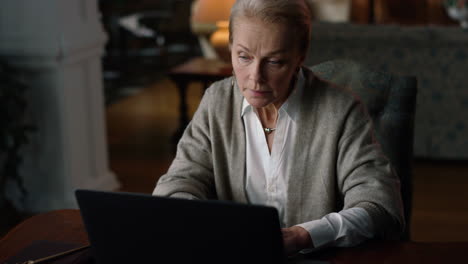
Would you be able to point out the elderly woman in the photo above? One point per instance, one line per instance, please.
(274, 134)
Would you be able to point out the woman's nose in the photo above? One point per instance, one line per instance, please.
(257, 73)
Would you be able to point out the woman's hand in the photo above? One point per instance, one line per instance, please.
(295, 238)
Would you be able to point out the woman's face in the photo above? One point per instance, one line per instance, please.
(265, 58)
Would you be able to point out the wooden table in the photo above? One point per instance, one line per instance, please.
(67, 226)
(197, 69)
(61, 226)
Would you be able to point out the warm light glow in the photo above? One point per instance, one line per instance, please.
(220, 37)
(212, 17)
(211, 11)
(220, 40)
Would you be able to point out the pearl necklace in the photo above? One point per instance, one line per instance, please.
(268, 130)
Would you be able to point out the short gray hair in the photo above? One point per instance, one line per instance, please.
(294, 13)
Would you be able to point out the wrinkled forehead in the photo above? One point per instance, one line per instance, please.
(254, 32)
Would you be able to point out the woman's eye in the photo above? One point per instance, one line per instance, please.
(275, 62)
(243, 58)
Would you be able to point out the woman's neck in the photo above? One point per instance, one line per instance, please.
(268, 115)
(292, 85)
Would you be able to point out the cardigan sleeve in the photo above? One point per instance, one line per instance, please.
(366, 178)
(192, 169)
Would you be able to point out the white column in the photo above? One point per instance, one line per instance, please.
(57, 45)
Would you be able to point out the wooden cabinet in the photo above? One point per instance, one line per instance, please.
(403, 12)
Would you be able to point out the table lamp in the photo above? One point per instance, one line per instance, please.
(211, 17)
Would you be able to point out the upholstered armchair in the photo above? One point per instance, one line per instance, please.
(390, 101)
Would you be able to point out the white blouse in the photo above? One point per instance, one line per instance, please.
(267, 176)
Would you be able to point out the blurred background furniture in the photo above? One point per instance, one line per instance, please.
(146, 38)
(198, 69)
(402, 12)
(391, 102)
(435, 55)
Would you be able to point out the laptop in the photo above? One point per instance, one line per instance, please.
(140, 228)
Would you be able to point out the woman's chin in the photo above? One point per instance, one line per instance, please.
(258, 102)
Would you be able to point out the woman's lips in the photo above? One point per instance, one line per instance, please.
(259, 93)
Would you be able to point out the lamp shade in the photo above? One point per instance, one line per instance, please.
(211, 11)
(209, 16)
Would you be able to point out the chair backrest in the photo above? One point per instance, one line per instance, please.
(391, 103)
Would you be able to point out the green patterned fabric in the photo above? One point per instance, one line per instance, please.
(390, 101)
(436, 55)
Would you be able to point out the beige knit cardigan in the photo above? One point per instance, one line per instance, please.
(338, 164)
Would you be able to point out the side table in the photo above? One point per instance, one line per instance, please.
(197, 69)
